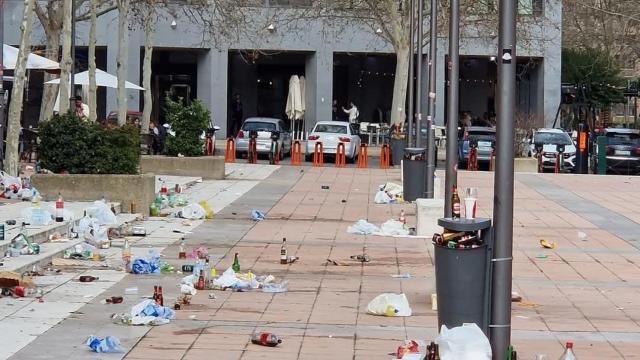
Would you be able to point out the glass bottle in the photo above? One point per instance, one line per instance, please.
(283, 252)
(200, 283)
(126, 255)
(455, 204)
(568, 352)
(182, 253)
(236, 263)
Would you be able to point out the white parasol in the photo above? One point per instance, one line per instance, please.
(34, 62)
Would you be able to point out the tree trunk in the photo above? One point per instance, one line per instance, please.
(12, 161)
(398, 112)
(150, 31)
(123, 33)
(50, 91)
(65, 64)
(93, 106)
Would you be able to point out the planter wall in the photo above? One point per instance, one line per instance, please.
(528, 165)
(206, 167)
(125, 189)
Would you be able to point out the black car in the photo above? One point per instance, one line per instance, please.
(622, 151)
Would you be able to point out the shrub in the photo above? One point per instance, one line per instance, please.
(66, 143)
(188, 123)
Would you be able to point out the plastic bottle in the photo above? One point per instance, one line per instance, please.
(126, 255)
(236, 263)
(207, 270)
(402, 217)
(163, 188)
(390, 310)
(60, 209)
(265, 339)
(160, 298)
(182, 253)
(568, 352)
(200, 283)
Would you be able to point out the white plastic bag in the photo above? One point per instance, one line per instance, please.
(466, 342)
(8, 181)
(394, 228)
(362, 227)
(192, 212)
(389, 305)
(382, 198)
(101, 212)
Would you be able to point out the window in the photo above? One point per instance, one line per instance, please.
(615, 138)
(331, 129)
(552, 138)
(258, 126)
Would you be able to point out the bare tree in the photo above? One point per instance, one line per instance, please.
(123, 35)
(51, 16)
(93, 106)
(150, 30)
(12, 155)
(65, 64)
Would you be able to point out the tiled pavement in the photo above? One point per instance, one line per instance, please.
(585, 290)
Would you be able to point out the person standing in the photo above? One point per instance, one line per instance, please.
(352, 112)
(236, 113)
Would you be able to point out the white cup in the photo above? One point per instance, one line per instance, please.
(470, 208)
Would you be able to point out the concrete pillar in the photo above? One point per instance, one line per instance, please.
(212, 85)
(319, 87)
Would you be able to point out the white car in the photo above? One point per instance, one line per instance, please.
(330, 134)
(549, 139)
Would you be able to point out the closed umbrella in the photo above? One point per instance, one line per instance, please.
(304, 104)
(34, 62)
(294, 101)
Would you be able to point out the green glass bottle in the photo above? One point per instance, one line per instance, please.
(236, 263)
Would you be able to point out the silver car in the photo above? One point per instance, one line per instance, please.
(264, 128)
(330, 134)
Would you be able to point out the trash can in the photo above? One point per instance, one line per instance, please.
(463, 276)
(414, 171)
(397, 150)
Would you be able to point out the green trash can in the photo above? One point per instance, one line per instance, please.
(463, 277)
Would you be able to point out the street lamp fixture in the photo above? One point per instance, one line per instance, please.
(174, 24)
(378, 31)
(271, 28)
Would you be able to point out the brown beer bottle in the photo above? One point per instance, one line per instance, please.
(283, 252)
(160, 298)
(455, 204)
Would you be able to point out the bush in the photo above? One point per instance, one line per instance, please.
(68, 144)
(188, 123)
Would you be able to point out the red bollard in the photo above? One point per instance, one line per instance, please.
(340, 155)
(385, 156)
(296, 153)
(230, 151)
(318, 155)
(363, 162)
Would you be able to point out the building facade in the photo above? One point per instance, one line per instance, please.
(349, 63)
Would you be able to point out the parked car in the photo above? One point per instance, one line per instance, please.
(264, 127)
(484, 137)
(331, 133)
(549, 140)
(622, 151)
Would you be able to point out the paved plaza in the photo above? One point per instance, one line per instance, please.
(584, 290)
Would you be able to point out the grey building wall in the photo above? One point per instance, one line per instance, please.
(319, 41)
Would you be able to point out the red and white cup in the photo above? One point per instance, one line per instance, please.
(470, 205)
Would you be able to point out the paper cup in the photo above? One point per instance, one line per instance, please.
(470, 208)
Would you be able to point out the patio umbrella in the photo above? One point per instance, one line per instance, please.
(303, 95)
(34, 62)
(102, 79)
(294, 102)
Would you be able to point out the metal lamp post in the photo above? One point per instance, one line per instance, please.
(451, 179)
(431, 110)
(419, 75)
(500, 327)
(72, 90)
(2, 126)
(411, 65)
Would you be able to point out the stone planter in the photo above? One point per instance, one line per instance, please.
(526, 165)
(125, 189)
(206, 167)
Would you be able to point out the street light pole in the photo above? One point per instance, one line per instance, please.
(72, 90)
(419, 75)
(451, 179)
(431, 110)
(500, 328)
(410, 114)
(2, 123)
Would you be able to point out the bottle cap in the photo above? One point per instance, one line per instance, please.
(569, 345)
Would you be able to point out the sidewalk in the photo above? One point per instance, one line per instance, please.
(585, 290)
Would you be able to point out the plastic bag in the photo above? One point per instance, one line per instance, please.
(11, 182)
(109, 344)
(466, 342)
(192, 212)
(382, 198)
(148, 265)
(149, 313)
(208, 211)
(389, 305)
(37, 216)
(257, 215)
(276, 287)
(393, 228)
(362, 227)
(101, 212)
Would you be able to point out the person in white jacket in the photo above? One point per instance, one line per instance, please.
(353, 112)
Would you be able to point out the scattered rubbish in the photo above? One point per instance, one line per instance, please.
(388, 304)
(88, 278)
(138, 231)
(401, 276)
(522, 317)
(382, 198)
(283, 252)
(363, 227)
(336, 262)
(10, 222)
(147, 265)
(582, 236)
(280, 287)
(568, 353)
(291, 259)
(265, 339)
(389, 193)
(411, 349)
(434, 302)
(528, 305)
(208, 211)
(166, 268)
(192, 212)
(113, 300)
(198, 253)
(148, 312)
(187, 288)
(394, 228)
(325, 187)
(541, 256)
(257, 215)
(547, 244)
(109, 344)
(192, 317)
(466, 342)
(515, 297)
(362, 258)
(212, 296)
(187, 268)
(102, 212)
(343, 201)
